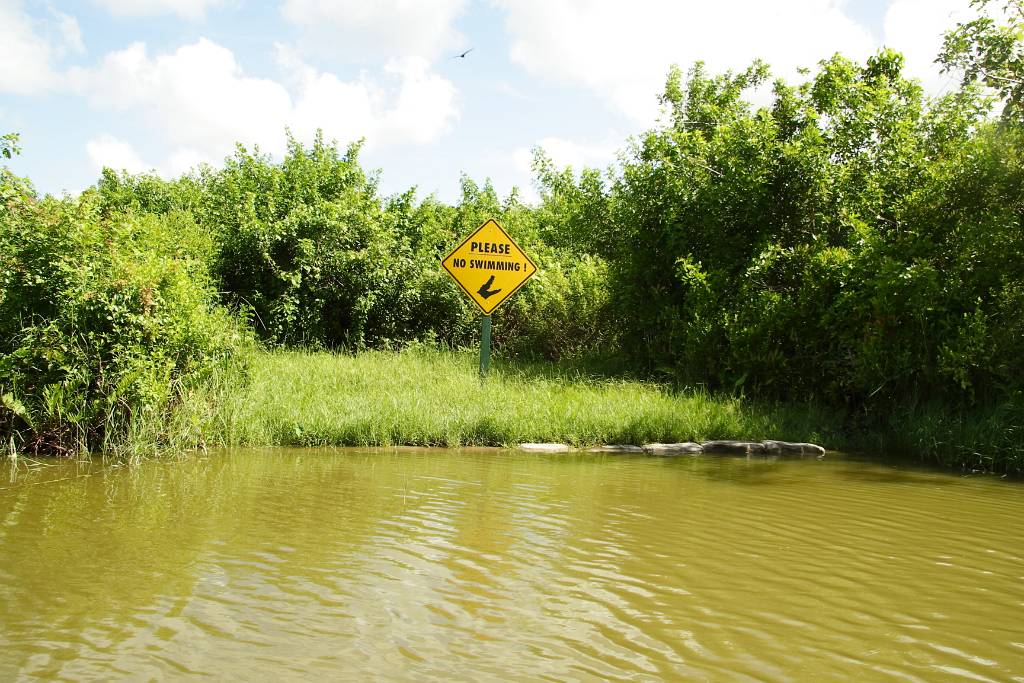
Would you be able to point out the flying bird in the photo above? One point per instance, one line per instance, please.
(462, 56)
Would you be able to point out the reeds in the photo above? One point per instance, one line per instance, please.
(435, 398)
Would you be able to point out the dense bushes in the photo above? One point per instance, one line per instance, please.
(847, 241)
(311, 254)
(106, 323)
(564, 313)
(301, 245)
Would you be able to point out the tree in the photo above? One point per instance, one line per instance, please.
(14, 191)
(990, 51)
(9, 145)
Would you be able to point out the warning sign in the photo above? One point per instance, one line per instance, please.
(489, 266)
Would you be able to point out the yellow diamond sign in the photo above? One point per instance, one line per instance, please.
(489, 266)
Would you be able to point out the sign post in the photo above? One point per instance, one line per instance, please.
(485, 345)
(489, 267)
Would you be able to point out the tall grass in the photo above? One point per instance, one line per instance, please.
(435, 398)
(985, 438)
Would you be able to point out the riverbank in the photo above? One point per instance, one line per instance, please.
(426, 397)
(435, 398)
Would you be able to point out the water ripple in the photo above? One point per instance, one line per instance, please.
(469, 566)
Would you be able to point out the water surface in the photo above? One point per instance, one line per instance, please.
(475, 565)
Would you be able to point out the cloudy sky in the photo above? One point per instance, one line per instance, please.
(167, 84)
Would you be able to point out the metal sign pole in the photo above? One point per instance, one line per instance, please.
(485, 346)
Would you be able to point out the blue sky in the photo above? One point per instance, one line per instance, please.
(167, 84)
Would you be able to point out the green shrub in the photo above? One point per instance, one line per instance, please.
(316, 258)
(850, 242)
(563, 312)
(106, 323)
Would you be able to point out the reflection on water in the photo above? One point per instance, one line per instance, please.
(469, 565)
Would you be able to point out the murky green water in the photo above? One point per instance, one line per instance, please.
(351, 565)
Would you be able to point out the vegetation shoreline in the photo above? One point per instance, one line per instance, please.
(424, 397)
(843, 263)
(429, 398)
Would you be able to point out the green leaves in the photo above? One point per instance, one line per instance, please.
(9, 145)
(104, 316)
(9, 402)
(990, 50)
(849, 240)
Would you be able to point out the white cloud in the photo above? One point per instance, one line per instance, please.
(563, 152)
(182, 160)
(363, 31)
(187, 9)
(409, 104)
(70, 32)
(106, 150)
(916, 27)
(424, 105)
(197, 96)
(30, 46)
(200, 102)
(623, 51)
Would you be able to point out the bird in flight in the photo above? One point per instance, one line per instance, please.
(462, 56)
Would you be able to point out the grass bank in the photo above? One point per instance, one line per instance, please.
(981, 438)
(434, 398)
